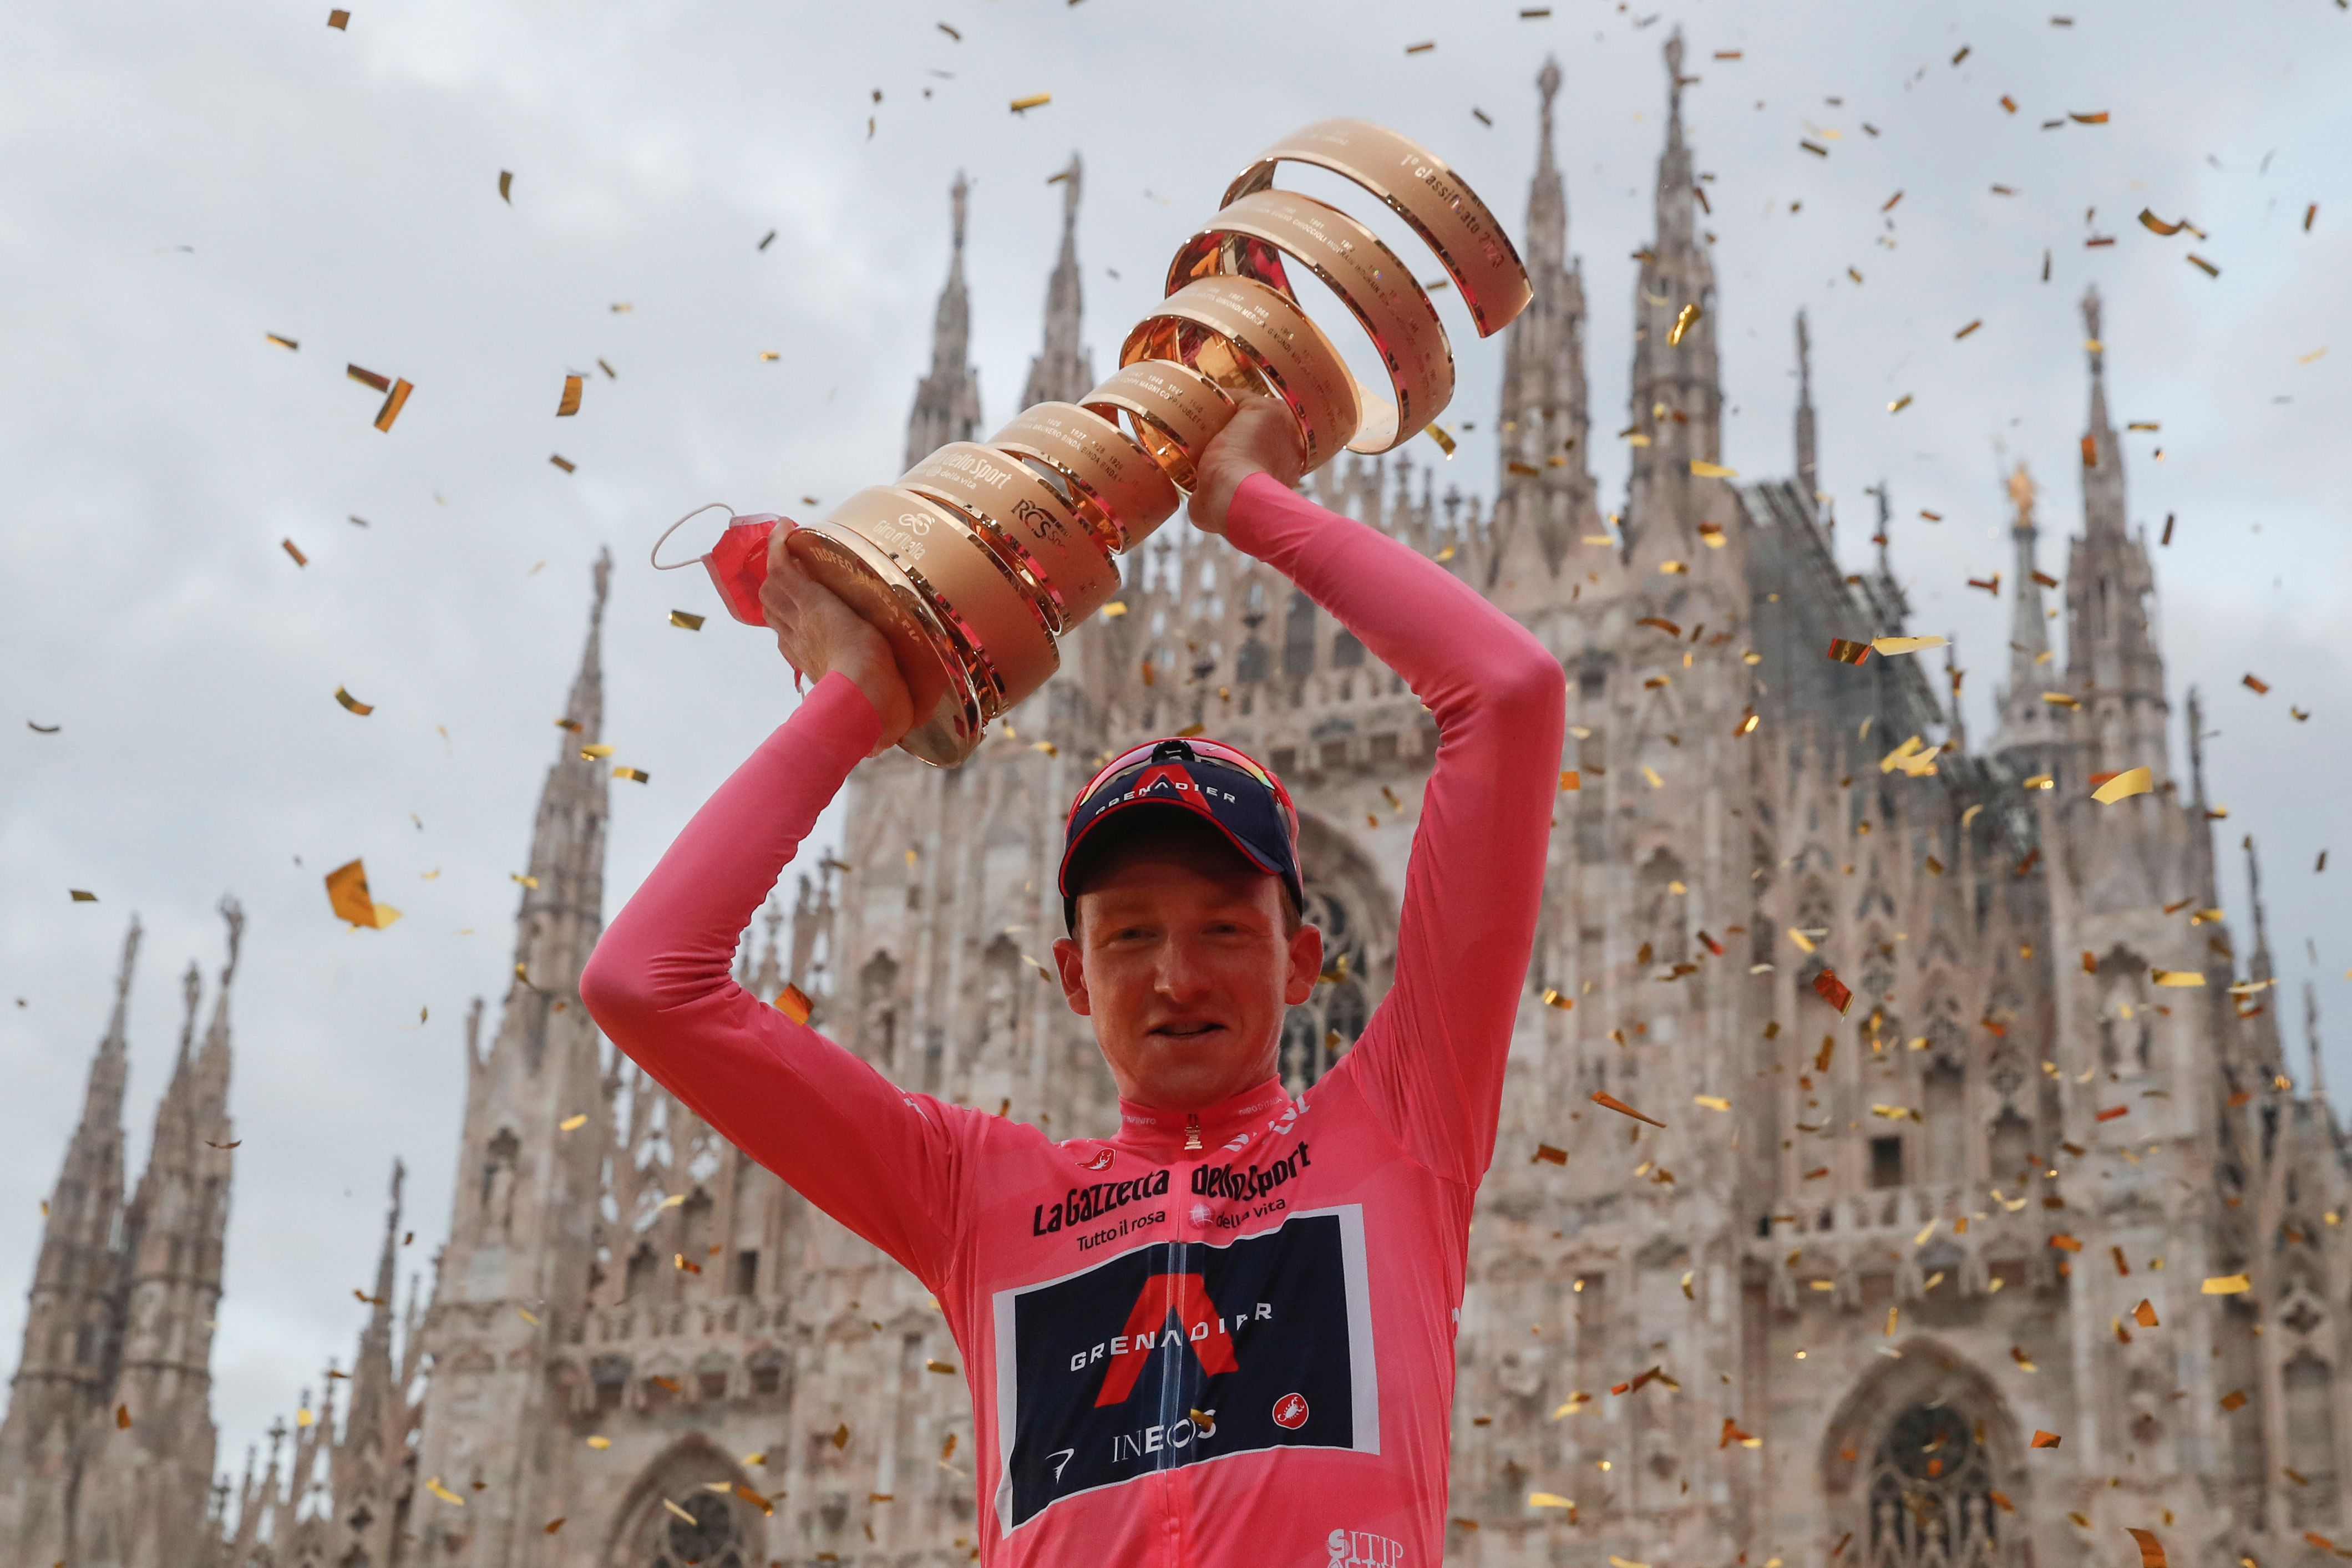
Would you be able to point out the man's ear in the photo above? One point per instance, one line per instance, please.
(1070, 964)
(1306, 965)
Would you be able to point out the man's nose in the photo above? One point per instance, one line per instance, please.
(1181, 976)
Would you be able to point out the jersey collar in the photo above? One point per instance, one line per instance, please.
(1149, 1129)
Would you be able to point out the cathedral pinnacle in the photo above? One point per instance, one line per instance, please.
(947, 401)
(1062, 371)
(1808, 477)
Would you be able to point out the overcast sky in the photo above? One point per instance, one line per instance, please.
(182, 178)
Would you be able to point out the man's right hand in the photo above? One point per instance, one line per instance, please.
(818, 633)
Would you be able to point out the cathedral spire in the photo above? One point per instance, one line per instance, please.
(562, 899)
(947, 401)
(374, 1374)
(2315, 1076)
(1063, 372)
(2028, 726)
(1677, 398)
(2112, 662)
(1807, 473)
(1545, 481)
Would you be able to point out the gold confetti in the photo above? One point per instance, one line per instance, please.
(1555, 997)
(1845, 650)
(1115, 609)
(2234, 1400)
(1899, 404)
(1443, 436)
(368, 378)
(1549, 1500)
(1815, 148)
(552, 1526)
(2123, 785)
(794, 1003)
(600, 1442)
(563, 462)
(1651, 774)
(2227, 1285)
(2203, 266)
(2043, 1440)
(347, 893)
(1683, 320)
(681, 1514)
(596, 751)
(339, 20)
(633, 775)
(1711, 1101)
(568, 404)
(2144, 1314)
(2151, 1550)
(572, 1122)
(1034, 100)
(394, 402)
(2063, 699)
(755, 1499)
(685, 1265)
(527, 1315)
(353, 703)
(1887, 647)
(1548, 1155)
(841, 1436)
(1703, 470)
(294, 551)
(686, 620)
(2097, 117)
(1968, 329)
(1419, 48)
(444, 1493)
(1611, 1102)
(1801, 939)
(2017, 1353)
(2183, 980)
(934, 1365)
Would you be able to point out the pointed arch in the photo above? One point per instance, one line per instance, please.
(1910, 1461)
(724, 1531)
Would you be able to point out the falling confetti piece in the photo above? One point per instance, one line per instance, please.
(934, 1365)
(794, 1003)
(1833, 990)
(1443, 436)
(570, 403)
(1555, 997)
(295, 550)
(2182, 979)
(572, 1122)
(600, 1442)
(681, 1514)
(347, 895)
(1611, 1102)
(563, 462)
(1815, 149)
(1846, 651)
(1711, 1101)
(1887, 647)
(1549, 1500)
(1419, 48)
(1034, 100)
(755, 1499)
(552, 1526)
(394, 402)
(2061, 699)
(2123, 785)
(686, 619)
(2144, 1314)
(1703, 470)
(2043, 1440)
(506, 186)
(444, 1493)
(633, 775)
(2257, 686)
(339, 20)
(1651, 774)
(2066, 1243)
(1545, 1154)
(1684, 321)
(2097, 117)
(2226, 1284)
(2203, 266)
(1899, 404)
(2234, 1400)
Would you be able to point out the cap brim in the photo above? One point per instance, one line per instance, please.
(1074, 851)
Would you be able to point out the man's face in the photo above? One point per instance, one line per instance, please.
(1184, 960)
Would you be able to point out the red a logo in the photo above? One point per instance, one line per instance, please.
(1184, 1298)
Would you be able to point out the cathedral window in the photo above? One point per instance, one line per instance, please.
(641, 1271)
(2310, 1393)
(1886, 1163)
(1384, 748)
(710, 1376)
(1347, 651)
(1254, 662)
(1299, 636)
(712, 1538)
(1931, 1487)
(767, 1370)
(1283, 760)
(746, 1279)
(1333, 756)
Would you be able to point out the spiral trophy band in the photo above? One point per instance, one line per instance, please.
(982, 554)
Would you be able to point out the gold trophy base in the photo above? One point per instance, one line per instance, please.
(948, 713)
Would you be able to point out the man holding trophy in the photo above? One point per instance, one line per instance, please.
(1222, 1335)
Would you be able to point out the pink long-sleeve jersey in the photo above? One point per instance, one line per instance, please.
(1242, 1355)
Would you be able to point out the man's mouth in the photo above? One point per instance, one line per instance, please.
(1192, 1029)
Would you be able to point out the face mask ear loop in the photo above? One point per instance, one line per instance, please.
(652, 555)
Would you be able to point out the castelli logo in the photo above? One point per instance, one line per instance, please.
(1290, 1412)
(1101, 1162)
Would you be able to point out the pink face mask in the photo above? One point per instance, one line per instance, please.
(738, 563)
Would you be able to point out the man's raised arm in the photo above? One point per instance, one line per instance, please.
(1432, 1058)
(881, 1162)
